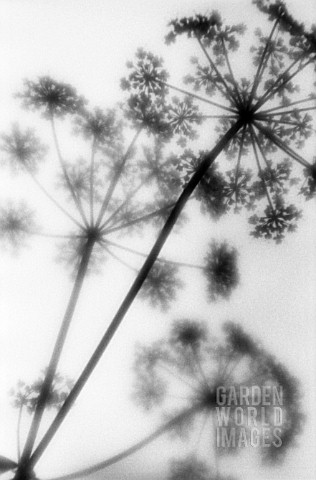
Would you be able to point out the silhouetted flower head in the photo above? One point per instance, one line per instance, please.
(193, 468)
(16, 223)
(241, 342)
(221, 270)
(24, 150)
(150, 114)
(50, 97)
(147, 74)
(177, 379)
(161, 285)
(189, 469)
(276, 221)
(25, 395)
(205, 27)
(188, 334)
(102, 126)
(271, 116)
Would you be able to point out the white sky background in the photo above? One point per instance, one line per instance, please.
(87, 44)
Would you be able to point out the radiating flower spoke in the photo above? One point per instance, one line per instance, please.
(283, 146)
(262, 64)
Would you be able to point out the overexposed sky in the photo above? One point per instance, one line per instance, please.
(87, 43)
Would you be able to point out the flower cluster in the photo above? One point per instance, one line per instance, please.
(25, 395)
(24, 149)
(50, 97)
(186, 368)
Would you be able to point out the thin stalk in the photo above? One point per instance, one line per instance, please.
(91, 186)
(260, 169)
(76, 199)
(126, 201)
(264, 155)
(261, 67)
(200, 369)
(208, 159)
(239, 159)
(202, 428)
(118, 258)
(139, 219)
(186, 414)
(18, 432)
(144, 255)
(307, 109)
(175, 375)
(289, 105)
(51, 370)
(275, 87)
(230, 93)
(284, 122)
(55, 235)
(49, 196)
(116, 178)
(218, 116)
(283, 146)
(198, 97)
(231, 72)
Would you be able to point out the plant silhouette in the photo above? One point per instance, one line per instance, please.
(262, 122)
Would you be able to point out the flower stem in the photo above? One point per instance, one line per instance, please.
(51, 370)
(198, 97)
(208, 159)
(218, 73)
(93, 148)
(162, 260)
(283, 146)
(261, 67)
(49, 196)
(143, 218)
(184, 415)
(66, 176)
(116, 178)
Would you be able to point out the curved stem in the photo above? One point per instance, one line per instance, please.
(239, 159)
(259, 168)
(198, 97)
(91, 192)
(18, 432)
(49, 196)
(116, 178)
(275, 87)
(231, 72)
(116, 257)
(262, 67)
(139, 219)
(135, 448)
(208, 159)
(283, 146)
(229, 92)
(289, 105)
(55, 235)
(307, 109)
(51, 370)
(283, 122)
(76, 199)
(126, 201)
(144, 255)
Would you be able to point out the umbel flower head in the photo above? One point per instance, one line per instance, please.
(16, 223)
(192, 368)
(25, 395)
(24, 150)
(50, 97)
(272, 110)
